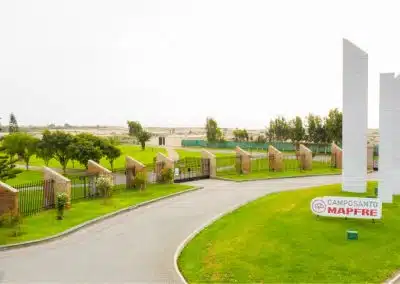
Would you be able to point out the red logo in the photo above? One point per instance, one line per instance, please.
(318, 206)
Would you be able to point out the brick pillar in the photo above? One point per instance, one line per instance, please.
(305, 158)
(134, 169)
(58, 182)
(8, 199)
(213, 162)
(245, 158)
(275, 159)
(336, 154)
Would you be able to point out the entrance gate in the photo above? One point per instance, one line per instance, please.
(188, 169)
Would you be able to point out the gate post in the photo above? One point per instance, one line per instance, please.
(133, 168)
(166, 162)
(8, 199)
(305, 158)
(59, 184)
(370, 157)
(245, 158)
(213, 162)
(336, 154)
(275, 159)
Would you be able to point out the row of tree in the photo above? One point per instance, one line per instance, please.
(61, 146)
(313, 129)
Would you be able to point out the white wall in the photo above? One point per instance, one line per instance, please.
(386, 125)
(395, 173)
(355, 117)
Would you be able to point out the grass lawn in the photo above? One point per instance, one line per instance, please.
(26, 177)
(277, 239)
(197, 154)
(134, 151)
(44, 224)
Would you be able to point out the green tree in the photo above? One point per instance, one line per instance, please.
(13, 125)
(241, 135)
(214, 133)
(334, 126)
(134, 128)
(21, 144)
(7, 167)
(45, 149)
(296, 130)
(111, 153)
(83, 150)
(281, 129)
(311, 128)
(143, 137)
(61, 142)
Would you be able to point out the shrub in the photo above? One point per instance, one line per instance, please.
(167, 175)
(61, 203)
(12, 220)
(104, 184)
(140, 180)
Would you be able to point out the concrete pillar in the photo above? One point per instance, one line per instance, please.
(355, 117)
(305, 158)
(58, 182)
(8, 199)
(336, 155)
(134, 169)
(97, 169)
(168, 162)
(275, 159)
(172, 154)
(395, 173)
(370, 157)
(245, 159)
(213, 162)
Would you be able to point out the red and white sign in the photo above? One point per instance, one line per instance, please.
(350, 207)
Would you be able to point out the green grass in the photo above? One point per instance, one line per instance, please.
(197, 154)
(44, 224)
(276, 239)
(26, 177)
(134, 151)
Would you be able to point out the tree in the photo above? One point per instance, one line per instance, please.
(13, 125)
(111, 153)
(241, 135)
(143, 137)
(334, 126)
(113, 140)
(296, 130)
(21, 144)
(61, 142)
(134, 128)
(270, 132)
(281, 129)
(7, 168)
(311, 128)
(83, 150)
(214, 133)
(45, 149)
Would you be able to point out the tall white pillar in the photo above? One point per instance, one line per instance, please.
(395, 172)
(386, 127)
(355, 117)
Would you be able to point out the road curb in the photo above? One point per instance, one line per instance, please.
(92, 222)
(271, 178)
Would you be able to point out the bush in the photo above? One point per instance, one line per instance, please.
(61, 203)
(167, 175)
(12, 220)
(140, 180)
(104, 184)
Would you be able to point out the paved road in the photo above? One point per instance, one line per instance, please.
(138, 246)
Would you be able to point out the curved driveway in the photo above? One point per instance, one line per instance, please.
(138, 246)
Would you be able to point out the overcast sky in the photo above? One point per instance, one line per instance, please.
(172, 63)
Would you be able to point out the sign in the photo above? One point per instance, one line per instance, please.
(350, 207)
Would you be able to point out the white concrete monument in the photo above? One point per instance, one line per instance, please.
(395, 172)
(355, 117)
(386, 127)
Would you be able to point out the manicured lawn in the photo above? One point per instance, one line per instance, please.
(197, 154)
(134, 151)
(26, 177)
(276, 239)
(44, 224)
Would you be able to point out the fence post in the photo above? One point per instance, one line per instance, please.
(370, 157)
(8, 199)
(336, 154)
(167, 163)
(213, 162)
(133, 168)
(305, 158)
(245, 159)
(277, 159)
(58, 183)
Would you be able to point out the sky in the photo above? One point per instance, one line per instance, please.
(173, 63)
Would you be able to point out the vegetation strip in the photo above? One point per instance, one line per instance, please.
(93, 221)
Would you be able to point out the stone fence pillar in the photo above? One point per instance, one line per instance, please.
(134, 169)
(213, 162)
(8, 199)
(54, 184)
(305, 158)
(245, 159)
(370, 157)
(275, 158)
(336, 154)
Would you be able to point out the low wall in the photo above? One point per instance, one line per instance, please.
(305, 158)
(245, 159)
(275, 159)
(60, 184)
(213, 162)
(337, 154)
(8, 199)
